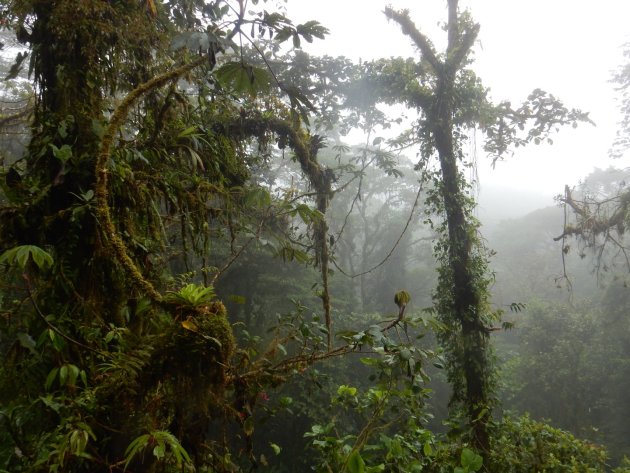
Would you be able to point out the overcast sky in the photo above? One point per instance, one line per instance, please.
(567, 47)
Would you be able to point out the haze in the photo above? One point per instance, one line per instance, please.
(566, 47)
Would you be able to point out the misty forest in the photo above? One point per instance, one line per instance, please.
(222, 253)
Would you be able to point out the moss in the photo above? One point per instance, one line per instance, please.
(213, 323)
(197, 349)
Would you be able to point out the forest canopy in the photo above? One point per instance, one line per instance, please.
(201, 274)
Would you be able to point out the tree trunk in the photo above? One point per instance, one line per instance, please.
(462, 276)
(466, 299)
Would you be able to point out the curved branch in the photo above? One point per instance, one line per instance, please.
(391, 251)
(102, 208)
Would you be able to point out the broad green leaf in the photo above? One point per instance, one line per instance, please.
(83, 376)
(63, 375)
(470, 460)
(20, 255)
(284, 34)
(73, 374)
(405, 354)
(344, 390)
(244, 78)
(63, 154)
(159, 451)
(258, 197)
(355, 463)
(50, 379)
(426, 449)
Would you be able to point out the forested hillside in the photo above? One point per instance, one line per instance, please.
(204, 270)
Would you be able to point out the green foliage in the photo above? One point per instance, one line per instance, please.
(470, 461)
(163, 443)
(241, 78)
(568, 366)
(525, 445)
(386, 429)
(191, 296)
(21, 255)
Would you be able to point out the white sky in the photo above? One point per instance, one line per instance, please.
(568, 47)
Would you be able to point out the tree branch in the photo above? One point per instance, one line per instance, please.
(420, 40)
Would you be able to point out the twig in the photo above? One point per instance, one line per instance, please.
(51, 326)
(391, 251)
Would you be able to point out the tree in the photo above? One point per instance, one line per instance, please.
(127, 170)
(450, 100)
(599, 214)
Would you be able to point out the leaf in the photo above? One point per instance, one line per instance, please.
(189, 324)
(21, 255)
(159, 451)
(355, 462)
(138, 444)
(63, 375)
(188, 131)
(78, 441)
(405, 354)
(470, 460)
(195, 159)
(284, 34)
(258, 198)
(27, 342)
(296, 40)
(344, 390)
(242, 78)
(426, 449)
(305, 212)
(50, 379)
(83, 376)
(276, 448)
(63, 154)
(248, 426)
(73, 374)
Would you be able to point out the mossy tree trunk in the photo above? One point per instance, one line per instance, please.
(461, 295)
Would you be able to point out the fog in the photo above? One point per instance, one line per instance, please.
(567, 48)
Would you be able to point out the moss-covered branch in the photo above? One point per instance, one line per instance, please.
(102, 193)
(305, 148)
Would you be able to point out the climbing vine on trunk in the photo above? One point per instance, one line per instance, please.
(451, 101)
